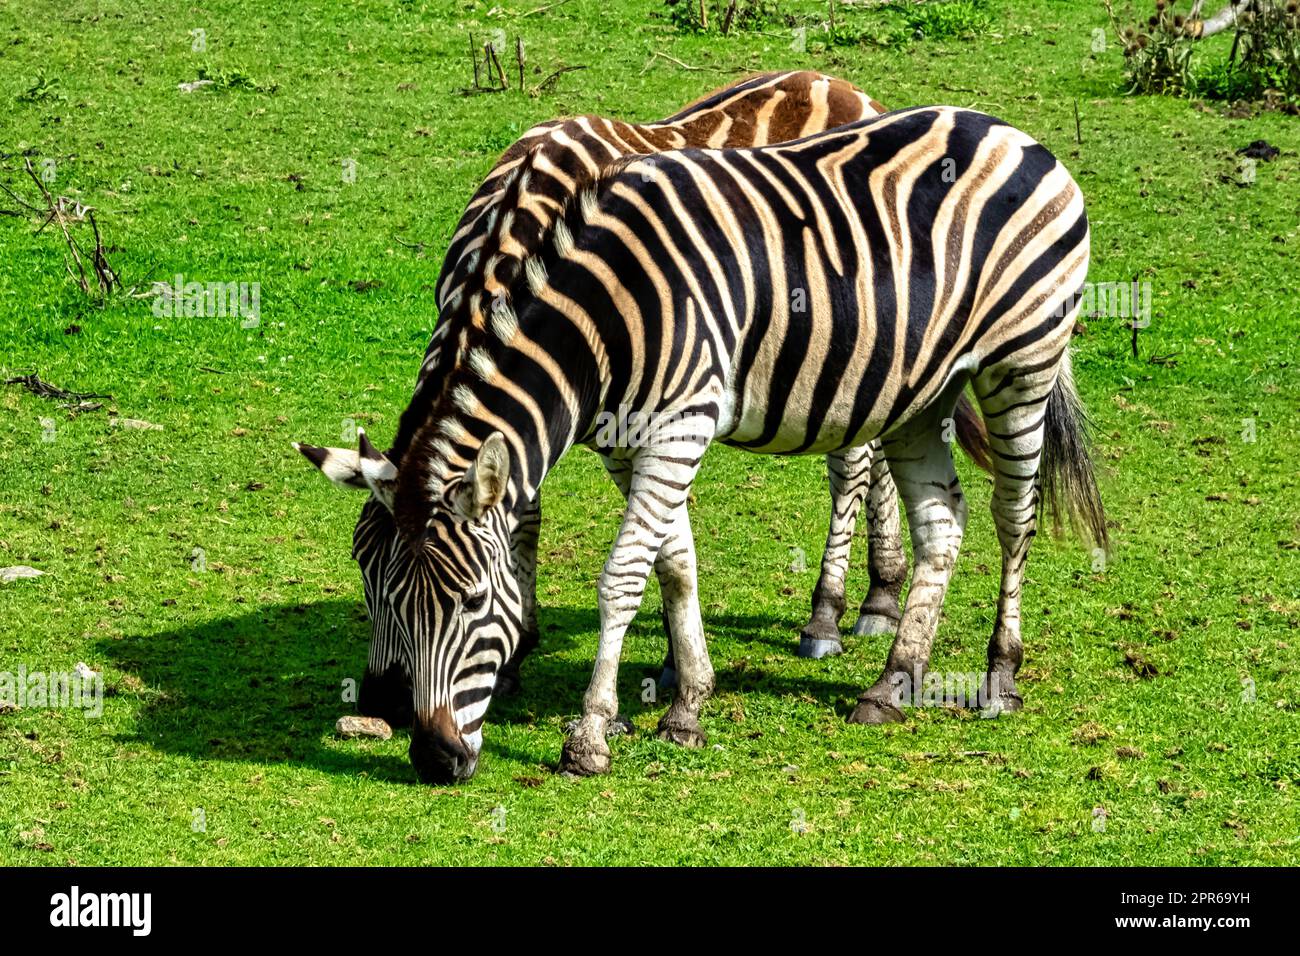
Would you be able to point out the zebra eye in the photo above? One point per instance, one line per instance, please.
(475, 600)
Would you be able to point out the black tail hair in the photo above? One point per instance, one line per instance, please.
(972, 435)
(1069, 482)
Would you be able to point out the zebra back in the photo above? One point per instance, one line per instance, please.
(536, 179)
(761, 109)
(910, 275)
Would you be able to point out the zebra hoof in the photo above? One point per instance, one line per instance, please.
(668, 679)
(1004, 704)
(578, 759)
(818, 647)
(876, 712)
(684, 735)
(868, 624)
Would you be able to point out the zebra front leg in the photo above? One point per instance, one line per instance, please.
(886, 560)
(668, 675)
(523, 546)
(936, 514)
(850, 477)
(385, 691)
(660, 481)
(620, 471)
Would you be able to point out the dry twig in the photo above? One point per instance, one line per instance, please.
(657, 55)
(38, 386)
(546, 84)
(66, 213)
(544, 8)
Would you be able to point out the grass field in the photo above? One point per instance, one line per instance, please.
(1161, 690)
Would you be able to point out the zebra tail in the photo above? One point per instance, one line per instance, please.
(1069, 482)
(972, 436)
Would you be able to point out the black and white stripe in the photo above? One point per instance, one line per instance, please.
(935, 247)
(503, 225)
(799, 299)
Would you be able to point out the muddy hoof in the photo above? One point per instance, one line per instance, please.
(1002, 704)
(819, 638)
(579, 760)
(876, 712)
(817, 642)
(868, 624)
(683, 736)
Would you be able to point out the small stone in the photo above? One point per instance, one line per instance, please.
(354, 726)
(137, 423)
(619, 726)
(19, 571)
(83, 671)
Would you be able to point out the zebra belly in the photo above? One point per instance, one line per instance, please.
(809, 389)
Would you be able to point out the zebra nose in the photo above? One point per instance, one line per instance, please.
(438, 753)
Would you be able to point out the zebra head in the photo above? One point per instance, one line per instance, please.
(445, 605)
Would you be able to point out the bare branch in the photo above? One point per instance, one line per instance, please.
(1225, 18)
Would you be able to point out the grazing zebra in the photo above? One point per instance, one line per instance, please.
(565, 154)
(795, 299)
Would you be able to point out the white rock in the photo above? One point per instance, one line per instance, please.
(18, 571)
(356, 726)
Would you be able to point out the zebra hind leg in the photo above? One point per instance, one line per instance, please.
(886, 559)
(1014, 404)
(936, 514)
(850, 473)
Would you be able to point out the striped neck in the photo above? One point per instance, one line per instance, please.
(506, 380)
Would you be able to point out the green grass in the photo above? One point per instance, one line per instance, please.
(225, 683)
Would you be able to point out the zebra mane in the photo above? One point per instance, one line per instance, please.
(464, 323)
(436, 437)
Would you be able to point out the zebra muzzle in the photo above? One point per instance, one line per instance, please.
(438, 751)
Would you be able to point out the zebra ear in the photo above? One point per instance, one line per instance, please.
(367, 468)
(484, 485)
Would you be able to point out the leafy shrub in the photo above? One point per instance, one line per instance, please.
(749, 16)
(1264, 60)
(948, 19)
(1157, 55)
(1267, 48)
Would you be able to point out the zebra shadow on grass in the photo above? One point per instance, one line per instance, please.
(267, 685)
